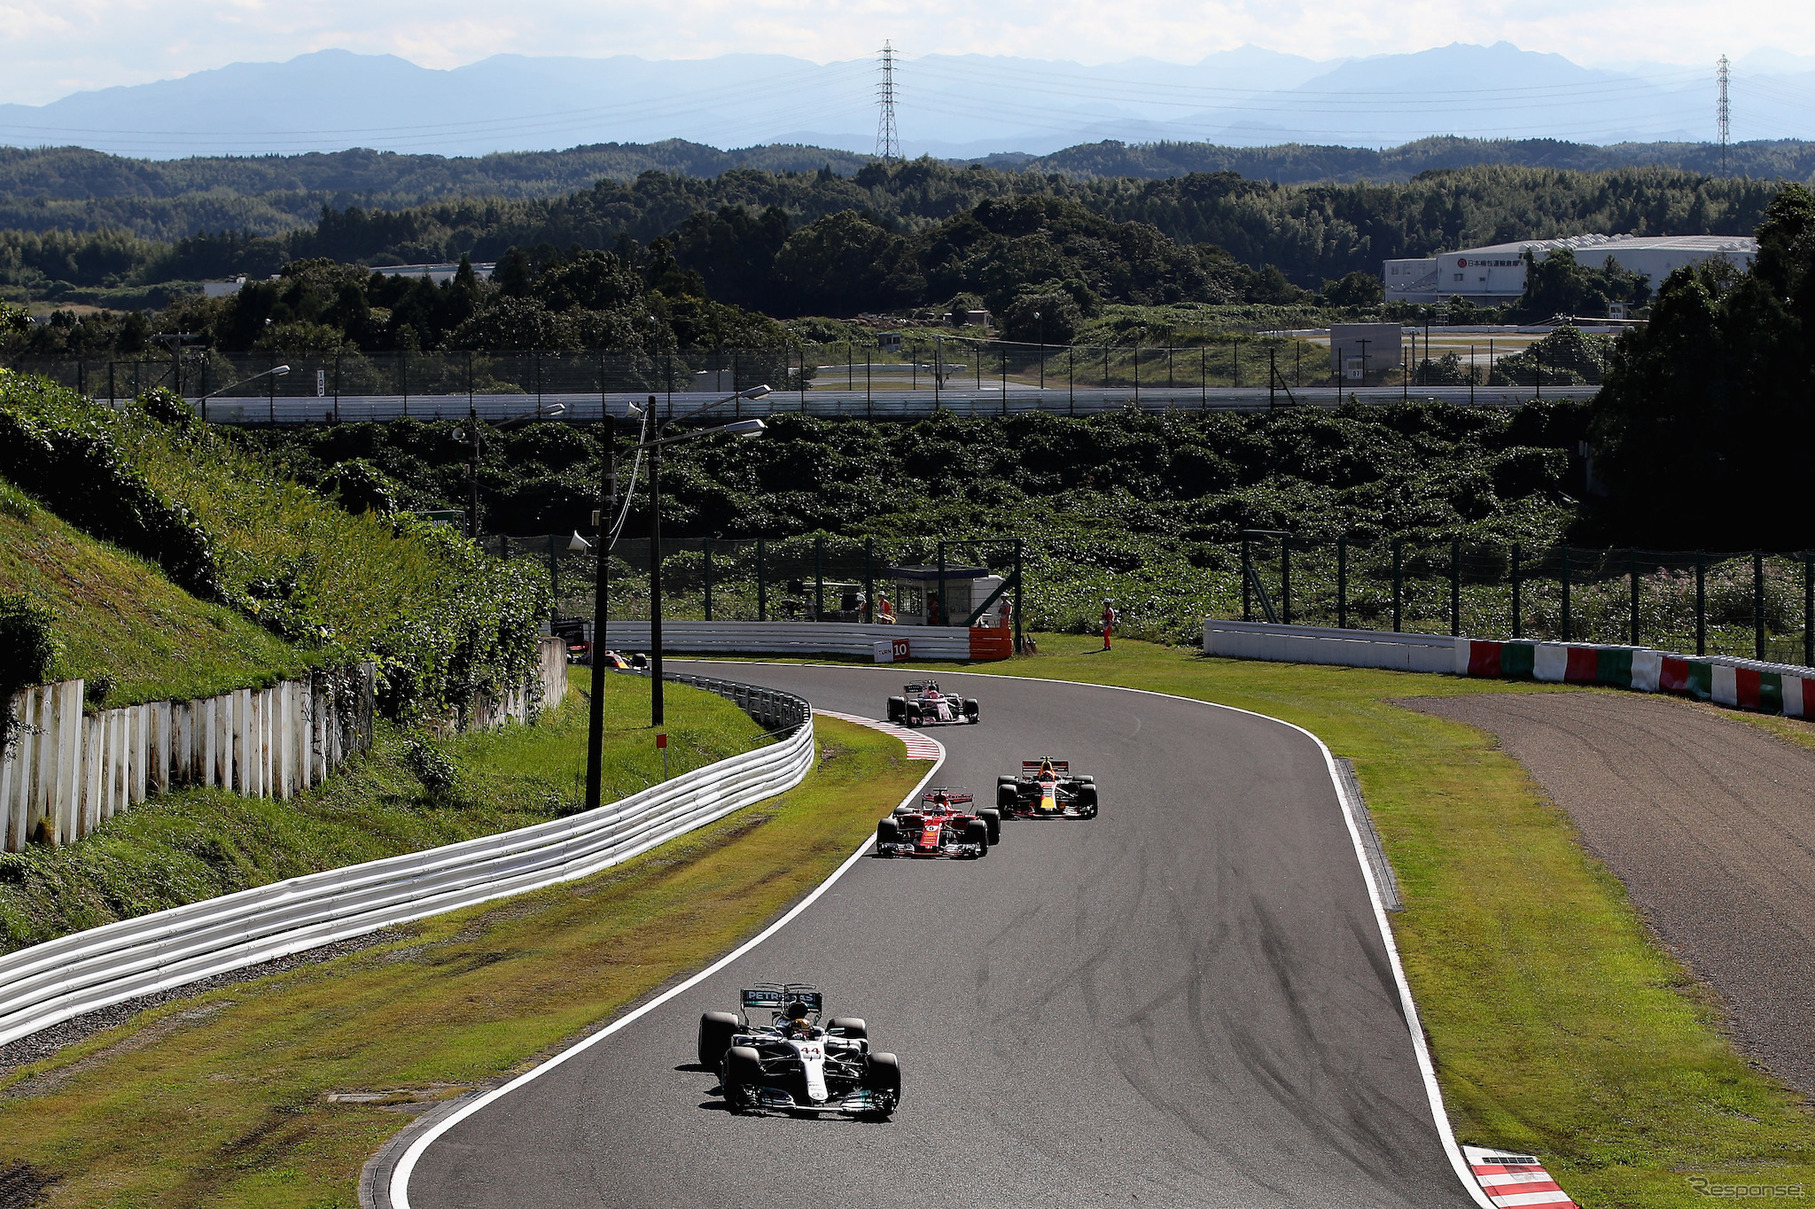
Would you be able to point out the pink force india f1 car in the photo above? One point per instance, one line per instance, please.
(922, 704)
(791, 1062)
(938, 826)
(1046, 789)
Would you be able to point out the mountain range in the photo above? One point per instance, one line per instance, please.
(949, 106)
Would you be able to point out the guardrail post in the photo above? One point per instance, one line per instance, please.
(1701, 602)
(1342, 582)
(819, 580)
(1516, 618)
(1398, 583)
(762, 583)
(1758, 604)
(706, 573)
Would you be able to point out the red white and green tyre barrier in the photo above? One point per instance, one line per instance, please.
(1770, 688)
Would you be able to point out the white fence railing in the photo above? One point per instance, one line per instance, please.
(1325, 644)
(63, 978)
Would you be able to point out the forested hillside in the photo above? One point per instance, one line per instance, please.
(743, 218)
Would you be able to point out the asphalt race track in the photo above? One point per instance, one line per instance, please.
(1185, 1001)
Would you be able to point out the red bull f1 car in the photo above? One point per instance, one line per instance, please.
(939, 826)
(1046, 788)
(922, 704)
(791, 1063)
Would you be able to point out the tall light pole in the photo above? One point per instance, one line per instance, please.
(608, 496)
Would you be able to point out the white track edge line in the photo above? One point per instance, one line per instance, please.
(1420, 1048)
(406, 1166)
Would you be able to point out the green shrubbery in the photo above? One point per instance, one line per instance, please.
(444, 623)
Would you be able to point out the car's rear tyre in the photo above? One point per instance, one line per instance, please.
(888, 831)
(977, 832)
(716, 1029)
(992, 819)
(882, 1079)
(742, 1075)
(897, 708)
(1085, 780)
(852, 1026)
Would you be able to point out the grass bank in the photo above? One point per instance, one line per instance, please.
(233, 1098)
(121, 618)
(196, 844)
(1557, 1024)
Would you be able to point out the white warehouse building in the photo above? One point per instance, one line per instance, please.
(1496, 273)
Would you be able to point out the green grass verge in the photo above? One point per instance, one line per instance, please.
(225, 1099)
(1556, 1022)
(120, 617)
(196, 844)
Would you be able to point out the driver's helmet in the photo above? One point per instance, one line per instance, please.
(942, 801)
(797, 1018)
(1046, 771)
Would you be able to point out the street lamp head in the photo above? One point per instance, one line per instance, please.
(578, 543)
(281, 370)
(746, 428)
(755, 392)
(633, 411)
(554, 409)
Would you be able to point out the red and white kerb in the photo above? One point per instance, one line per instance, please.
(1515, 1179)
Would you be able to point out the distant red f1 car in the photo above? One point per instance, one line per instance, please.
(1046, 789)
(938, 827)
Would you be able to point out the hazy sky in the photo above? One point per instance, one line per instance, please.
(52, 47)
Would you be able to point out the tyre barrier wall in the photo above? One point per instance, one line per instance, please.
(1770, 688)
(59, 979)
(881, 643)
(1328, 645)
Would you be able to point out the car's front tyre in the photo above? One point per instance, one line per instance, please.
(743, 1074)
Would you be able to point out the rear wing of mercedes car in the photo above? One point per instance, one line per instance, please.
(774, 997)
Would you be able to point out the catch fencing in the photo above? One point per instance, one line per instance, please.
(63, 978)
(912, 377)
(1753, 604)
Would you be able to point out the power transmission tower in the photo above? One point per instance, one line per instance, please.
(1720, 114)
(888, 143)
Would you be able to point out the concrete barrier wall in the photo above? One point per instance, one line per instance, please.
(1773, 688)
(1327, 645)
(878, 642)
(68, 771)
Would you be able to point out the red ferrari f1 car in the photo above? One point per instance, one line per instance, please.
(938, 827)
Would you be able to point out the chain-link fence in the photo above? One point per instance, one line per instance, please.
(805, 578)
(905, 373)
(1755, 604)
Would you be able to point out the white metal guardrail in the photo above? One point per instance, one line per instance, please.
(63, 978)
(1324, 644)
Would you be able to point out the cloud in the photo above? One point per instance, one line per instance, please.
(49, 47)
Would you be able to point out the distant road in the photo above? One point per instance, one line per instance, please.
(880, 404)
